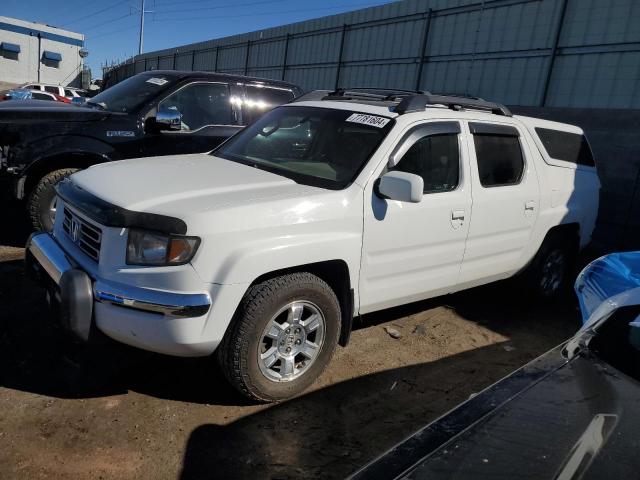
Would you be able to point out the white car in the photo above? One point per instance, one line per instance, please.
(337, 205)
(67, 92)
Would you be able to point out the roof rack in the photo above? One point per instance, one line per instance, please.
(409, 100)
(362, 93)
(417, 103)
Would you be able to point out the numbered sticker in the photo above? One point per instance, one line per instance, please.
(365, 119)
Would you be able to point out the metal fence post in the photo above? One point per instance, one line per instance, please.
(193, 60)
(246, 58)
(423, 51)
(175, 55)
(215, 63)
(341, 51)
(284, 60)
(554, 51)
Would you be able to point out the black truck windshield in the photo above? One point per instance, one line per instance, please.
(315, 146)
(129, 94)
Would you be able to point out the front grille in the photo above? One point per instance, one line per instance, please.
(85, 235)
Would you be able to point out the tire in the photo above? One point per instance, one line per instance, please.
(273, 303)
(40, 202)
(549, 274)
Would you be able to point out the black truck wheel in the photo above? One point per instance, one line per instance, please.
(41, 202)
(282, 337)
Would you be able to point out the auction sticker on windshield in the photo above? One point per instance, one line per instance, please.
(158, 81)
(365, 119)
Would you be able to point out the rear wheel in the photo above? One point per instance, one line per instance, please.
(282, 337)
(41, 203)
(550, 272)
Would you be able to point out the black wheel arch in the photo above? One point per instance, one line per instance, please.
(46, 164)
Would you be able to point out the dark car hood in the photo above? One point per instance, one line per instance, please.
(39, 110)
(554, 418)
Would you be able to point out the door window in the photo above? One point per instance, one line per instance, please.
(50, 89)
(68, 93)
(436, 158)
(499, 157)
(262, 99)
(41, 96)
(201, 104)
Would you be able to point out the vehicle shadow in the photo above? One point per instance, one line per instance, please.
(332, 432)
(16, 227)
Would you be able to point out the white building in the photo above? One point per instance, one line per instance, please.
(34, 52)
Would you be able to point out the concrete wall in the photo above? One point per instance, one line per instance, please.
(614, 136)
(33, 39)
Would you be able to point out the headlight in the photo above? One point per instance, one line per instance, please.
(157, 249)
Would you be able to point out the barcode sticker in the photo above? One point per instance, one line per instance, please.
(365, 119)
(157, 81)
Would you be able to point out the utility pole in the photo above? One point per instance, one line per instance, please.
(141, 28)
(142, 12)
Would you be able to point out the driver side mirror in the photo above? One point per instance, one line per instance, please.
(168, 119)
(400, 186)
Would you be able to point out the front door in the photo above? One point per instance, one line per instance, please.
(413, 251)
(208, 118)
(505, 203)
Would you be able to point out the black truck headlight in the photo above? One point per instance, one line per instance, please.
(157, 249)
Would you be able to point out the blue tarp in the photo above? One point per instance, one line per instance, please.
(605, 277)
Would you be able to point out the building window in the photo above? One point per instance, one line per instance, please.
(9, 50)
(51, 59)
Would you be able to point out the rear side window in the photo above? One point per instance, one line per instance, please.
(49, 89)
(41, 96)
(566, 146)
(436, 158)
(68, 93)
(499, 155)
(262, 99)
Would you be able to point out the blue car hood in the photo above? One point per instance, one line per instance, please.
(605, 278)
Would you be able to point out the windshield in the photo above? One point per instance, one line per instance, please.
(127, 95)
(315, 146)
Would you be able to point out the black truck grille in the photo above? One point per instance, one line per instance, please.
(85, 235)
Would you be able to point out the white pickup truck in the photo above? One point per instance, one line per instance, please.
(334, 206)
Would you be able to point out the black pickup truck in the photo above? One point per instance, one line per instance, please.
(153, 113)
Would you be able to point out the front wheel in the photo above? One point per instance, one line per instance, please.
(282, 337)
(41, 203)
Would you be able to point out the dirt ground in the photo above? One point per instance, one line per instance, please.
(112, 412)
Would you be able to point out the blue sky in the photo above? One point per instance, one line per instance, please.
(111, 26)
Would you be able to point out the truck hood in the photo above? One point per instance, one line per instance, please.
(40, 111)
(184, 185)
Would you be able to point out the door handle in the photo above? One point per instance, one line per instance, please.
(530, 205)
(457, 215)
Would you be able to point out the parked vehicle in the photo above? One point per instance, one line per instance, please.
(342, 204)
(24, 94)
(571, 413)
(153, 113)
(67, 92)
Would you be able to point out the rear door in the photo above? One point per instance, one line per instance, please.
(413, 251)
(209, 117)
(505, 202)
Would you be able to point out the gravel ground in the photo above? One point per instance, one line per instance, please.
(112, 412)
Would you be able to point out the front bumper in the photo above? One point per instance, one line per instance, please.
(127, 313)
